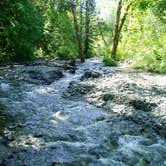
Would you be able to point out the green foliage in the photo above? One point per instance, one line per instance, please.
(43, 28)
(108, 60)
(104, 28)
(151, 63)
(160, 10)
(58, 39)
(144, 41)
(142, 4)
(20, 28)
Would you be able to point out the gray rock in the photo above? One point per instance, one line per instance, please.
(142, 105)
(78, 89)
(44, 77)
(90, 74)
(34, 74)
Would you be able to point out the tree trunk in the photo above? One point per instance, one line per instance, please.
(77, 31)
(87, 29)
(118, 26)
(81, 22)
(105, 42)
(116, 30)
(124, 16)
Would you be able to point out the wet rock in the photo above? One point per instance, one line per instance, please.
(100, 118)
(38, 61)
(90, 74)
(72, 71)
(160, 128)
(72, 63)
(44, 77)
(132, 87)
(71, 66)
(142, 105)
(78, 89)
(127, 100)
(116, 98)
(34, 74)
(108, 96)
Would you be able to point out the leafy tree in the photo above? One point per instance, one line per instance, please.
(83, 15)
(159, 9)
(58, 39)
(143, 38)
(119, 22)
(21, 25)
(89, 15)
(77, 30)
(54, 28)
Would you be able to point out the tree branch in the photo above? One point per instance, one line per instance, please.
(124, 17)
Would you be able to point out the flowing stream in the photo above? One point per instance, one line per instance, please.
(70, 121)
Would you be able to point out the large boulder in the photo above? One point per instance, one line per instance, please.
(78, 89)
(34, 74)
(142, 105)
(90, 75)
(44, 77)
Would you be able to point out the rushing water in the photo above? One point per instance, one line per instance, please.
(47, 128)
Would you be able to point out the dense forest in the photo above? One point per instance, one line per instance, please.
(67, 29)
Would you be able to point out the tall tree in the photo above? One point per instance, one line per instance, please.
(77, 31)
(119, 22)
(89, 11)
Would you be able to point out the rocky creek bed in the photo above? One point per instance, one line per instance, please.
(99, 116)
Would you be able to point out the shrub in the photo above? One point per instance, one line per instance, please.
(143, 43)
(109, 61)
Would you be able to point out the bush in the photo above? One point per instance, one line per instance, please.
(143, 42)
(162, 67)
(150, 63)
(147, 63)
(109, 61)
